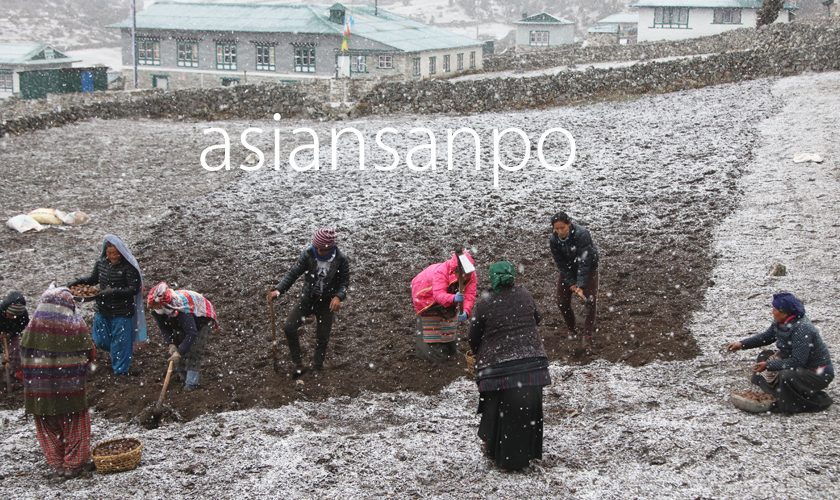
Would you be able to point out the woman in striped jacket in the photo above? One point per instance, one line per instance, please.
(56, 350)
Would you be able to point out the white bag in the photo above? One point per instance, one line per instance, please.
(23, 223)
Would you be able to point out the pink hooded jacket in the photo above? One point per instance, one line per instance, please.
(430, 286)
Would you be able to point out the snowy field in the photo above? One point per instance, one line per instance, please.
(612, 430)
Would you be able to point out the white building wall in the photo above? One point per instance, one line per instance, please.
(700, 23)
(558, 34)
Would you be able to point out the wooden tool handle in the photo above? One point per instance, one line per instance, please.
(6, 364)
(166, 383)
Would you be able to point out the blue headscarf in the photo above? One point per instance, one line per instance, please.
(788, 303)
(139, 318)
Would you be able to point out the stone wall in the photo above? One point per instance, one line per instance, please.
(776, 50)
(257, 101)
(777, 35)
(573, 87)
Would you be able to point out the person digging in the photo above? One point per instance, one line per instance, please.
(185, 319)
(800, 367)
(576, 258)
(326, 272)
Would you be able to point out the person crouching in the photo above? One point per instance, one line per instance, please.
(443, 295)
(800, 367)
(185, 319)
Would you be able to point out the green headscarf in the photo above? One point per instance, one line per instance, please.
(502, 275)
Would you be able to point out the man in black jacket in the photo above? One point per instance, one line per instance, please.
(576, 257)
(326, 273)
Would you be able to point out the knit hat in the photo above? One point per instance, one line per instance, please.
(16, 309)
(788, 303)
(324, 238)
(56, 326)
(502, 274)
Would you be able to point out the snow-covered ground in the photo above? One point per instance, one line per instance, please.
(560, 69)
(662, 430)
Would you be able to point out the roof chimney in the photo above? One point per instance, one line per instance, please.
(337, 13)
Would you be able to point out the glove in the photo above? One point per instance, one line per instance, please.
(463, 316)
(172, 349)
(459, 297)
(175, 357)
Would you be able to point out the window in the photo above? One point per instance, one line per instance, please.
(670, 17)
(415, 66)
(265, 57)
(727, 16)
(460, 62)
(432, 65)
(472, 60)
(160, 82)
(230, 82)
(539, 39)
(305, 59)
(358, 64)
(226, 55)
(187, 54)
(447, 64)
(6, 81)
(148, 52)
(385, 62)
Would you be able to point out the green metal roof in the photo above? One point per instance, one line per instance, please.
(386, 28)
(543, 18)
(707, 4)
(30, 54)
(610, 23)
(620, 18)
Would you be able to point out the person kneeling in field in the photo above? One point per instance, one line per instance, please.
(185, 319)
(326, 273)
(800, 368)
(443, 294)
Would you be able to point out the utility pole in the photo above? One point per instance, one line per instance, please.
(134, 38)
(475, 9)
(376, 7)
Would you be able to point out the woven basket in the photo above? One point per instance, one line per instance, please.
(744, 402)
(120, 462)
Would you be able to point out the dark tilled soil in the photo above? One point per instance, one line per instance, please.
(649, 185)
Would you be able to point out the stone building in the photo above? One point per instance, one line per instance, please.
(615, 29)
(681, 19)
(543, 31)
(16, 58)
(204, 44)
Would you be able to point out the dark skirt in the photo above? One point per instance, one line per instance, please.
(512, 425)
(796, 391)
